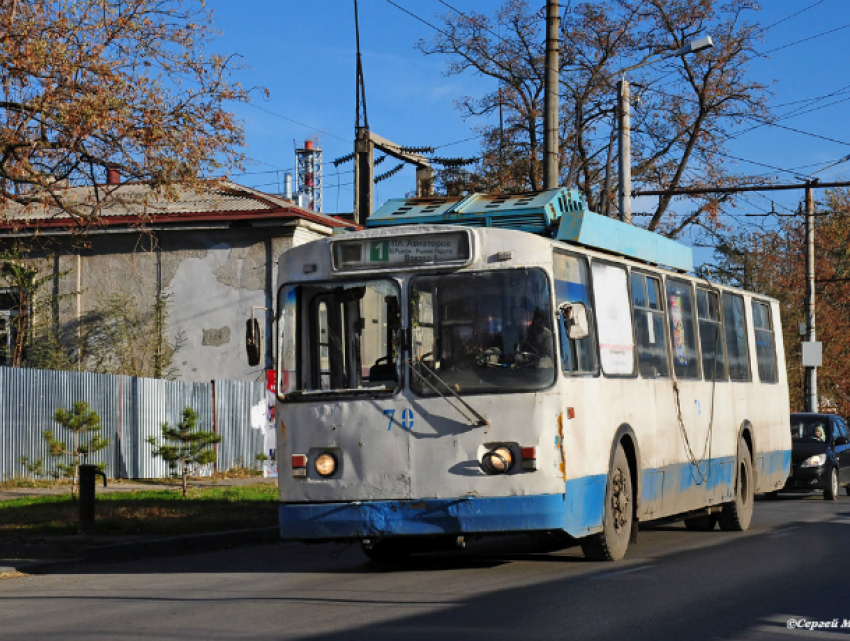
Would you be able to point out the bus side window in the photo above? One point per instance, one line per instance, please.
(736, 337)
(680, 305)
(765, 344)
(613, 319)
(711, 335)
(649, 326)
(572, 285)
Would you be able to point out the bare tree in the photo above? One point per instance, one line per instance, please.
(92, 85)
(686, 104)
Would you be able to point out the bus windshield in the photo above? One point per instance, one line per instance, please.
(482, 331)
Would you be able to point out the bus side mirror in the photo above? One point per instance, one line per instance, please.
(253, 341)
(574, 317)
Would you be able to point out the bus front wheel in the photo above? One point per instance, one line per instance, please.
(736, 516)
(612, 542)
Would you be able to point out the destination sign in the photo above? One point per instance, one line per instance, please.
(427, 249)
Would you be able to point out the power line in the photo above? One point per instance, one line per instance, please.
(808, 133)
(797, 42)
(422, 20)
(321, 131)
(770, 26)
(459, 12)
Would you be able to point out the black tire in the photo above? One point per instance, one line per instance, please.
(831, 492)
(704, 523)
(847, 490)
(612, 542)
(736, 516)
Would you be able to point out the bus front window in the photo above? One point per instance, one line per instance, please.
(345, 339)
(482, 331)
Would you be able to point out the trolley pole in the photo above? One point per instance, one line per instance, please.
(550, 118)
(811, 371)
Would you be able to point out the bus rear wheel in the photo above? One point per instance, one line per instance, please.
(736, 516)
(612, 542)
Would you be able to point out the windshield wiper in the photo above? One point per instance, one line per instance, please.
(482, 420)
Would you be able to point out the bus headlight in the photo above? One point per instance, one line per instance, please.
(325, 464)
(498, 460)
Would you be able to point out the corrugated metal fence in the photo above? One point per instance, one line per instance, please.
(131, 410)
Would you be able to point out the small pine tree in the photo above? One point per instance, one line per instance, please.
(35, 468)
(85, 425)
(187, 448)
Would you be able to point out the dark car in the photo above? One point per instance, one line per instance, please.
(820, 454)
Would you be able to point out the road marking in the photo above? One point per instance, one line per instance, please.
(784, 532)
(608, 575)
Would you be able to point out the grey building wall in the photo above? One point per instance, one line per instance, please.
(213, 276)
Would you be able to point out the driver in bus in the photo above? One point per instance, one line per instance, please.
(533, 335)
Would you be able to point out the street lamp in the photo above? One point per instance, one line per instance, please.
(624, 120)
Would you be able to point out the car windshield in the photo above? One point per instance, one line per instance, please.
(810, 429)
(482, 331)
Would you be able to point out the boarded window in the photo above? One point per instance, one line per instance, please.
(736, 337)
(711, 335)
(680, 303)
(765, 343)
(572, 285)
(648, 314)
(613, 319)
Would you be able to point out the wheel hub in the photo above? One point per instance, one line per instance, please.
(619, 501)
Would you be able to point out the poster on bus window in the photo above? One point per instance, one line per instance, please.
(613, 319)
(680, 354)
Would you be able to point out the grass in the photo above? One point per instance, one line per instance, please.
(157, 512)
(232, 473)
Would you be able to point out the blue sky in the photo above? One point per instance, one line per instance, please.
(303, 53)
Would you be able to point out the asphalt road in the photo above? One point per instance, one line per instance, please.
(794, 563)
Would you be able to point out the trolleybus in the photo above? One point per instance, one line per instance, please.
(502, 364)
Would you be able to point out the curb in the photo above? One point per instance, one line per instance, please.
(166, 546)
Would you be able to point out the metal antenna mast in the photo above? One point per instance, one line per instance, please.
(361, 86)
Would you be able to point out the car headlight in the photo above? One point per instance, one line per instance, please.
(814, 461)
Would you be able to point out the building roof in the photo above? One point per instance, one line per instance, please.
(134, 203)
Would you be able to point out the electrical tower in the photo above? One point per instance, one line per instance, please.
(308, 176)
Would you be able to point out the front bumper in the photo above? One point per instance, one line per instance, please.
(368, 519)
(808, 478)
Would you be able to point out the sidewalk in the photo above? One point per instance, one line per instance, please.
(40, 553)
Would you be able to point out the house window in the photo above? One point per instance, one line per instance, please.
(8, 315)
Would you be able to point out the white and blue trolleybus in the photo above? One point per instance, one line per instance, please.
(517, 363)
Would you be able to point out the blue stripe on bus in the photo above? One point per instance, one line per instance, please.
(578, 511)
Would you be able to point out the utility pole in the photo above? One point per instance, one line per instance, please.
(550, 122)
(624, 119)
(811, 371)
(625, 144)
